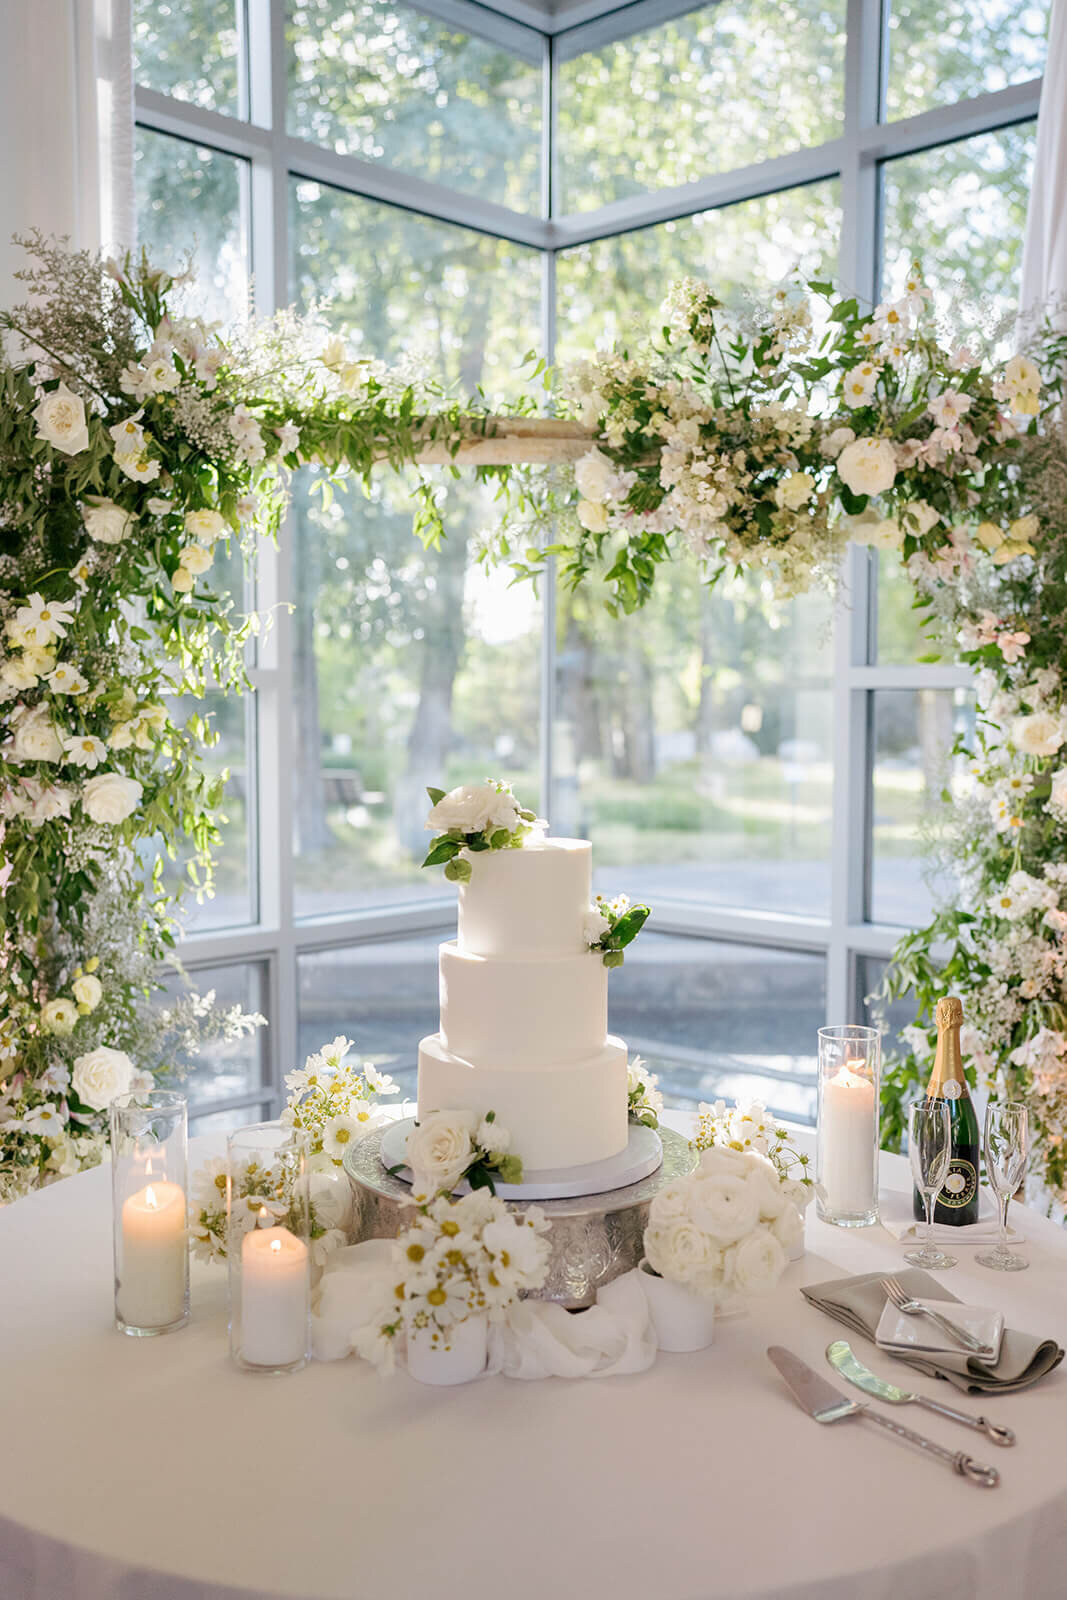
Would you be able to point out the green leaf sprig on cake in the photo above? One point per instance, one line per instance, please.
(475, 817)
(610, 925)
(643, 1099)
(446, 1147)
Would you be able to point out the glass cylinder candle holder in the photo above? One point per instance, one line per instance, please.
(149, 1158)
(268, 1247)
(846, 1149)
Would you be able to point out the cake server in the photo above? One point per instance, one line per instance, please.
(827, 1404)
(841, 1357)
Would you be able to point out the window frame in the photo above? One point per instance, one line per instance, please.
(854, 158)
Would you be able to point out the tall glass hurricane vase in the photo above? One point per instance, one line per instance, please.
(149, 1158)
(846, 1150)
(1007, 1143)
(268, 1247)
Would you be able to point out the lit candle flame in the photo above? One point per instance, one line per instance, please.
(150, 1198)
(276, 1245)
(263, 1220)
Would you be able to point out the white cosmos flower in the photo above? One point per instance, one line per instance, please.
(84, 750)
(66, 679)
(858, 385)
(45, 1121)
(140, 466)
(43, 621)
(340, 1133)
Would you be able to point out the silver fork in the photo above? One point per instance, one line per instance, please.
(915, 1308)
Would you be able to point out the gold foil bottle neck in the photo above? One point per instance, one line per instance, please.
(949, 1013)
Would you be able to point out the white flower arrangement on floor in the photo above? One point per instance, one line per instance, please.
(611, 925)
(446, 1148)
(749, 1126)
(459, 1259)
(726, 1230)
(474, 818)
(644, 1101)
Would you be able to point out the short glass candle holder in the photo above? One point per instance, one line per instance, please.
(268, 1247)
(149, 1160)
(846, 1147)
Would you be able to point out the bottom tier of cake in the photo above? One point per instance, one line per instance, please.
(558, 1116)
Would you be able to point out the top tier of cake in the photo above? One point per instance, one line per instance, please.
(527, 902)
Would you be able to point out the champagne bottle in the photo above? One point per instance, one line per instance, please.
(957, 1202)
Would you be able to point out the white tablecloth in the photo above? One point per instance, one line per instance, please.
(154, 1470)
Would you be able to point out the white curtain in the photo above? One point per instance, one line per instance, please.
(66, 126)
(1045, 250)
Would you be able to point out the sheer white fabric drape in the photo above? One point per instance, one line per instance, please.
(1045, 251)
(66, 125)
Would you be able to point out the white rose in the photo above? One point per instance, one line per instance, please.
(107, 522)
(881, 533)
(922, 516)
(110, 797)
(724, 1207)
(868, 466)
(472, 808)
(101, 1075)
(18, 673)
(593, 516)
(836, 441)
(1058, 796)
(594, 926)
(754, 1264)
(331, 1198)
(88, 991)
(206, 527)
(439, 1147)
(36, 738)
(594, 475)
(795, 491)
(182, 582)
(683, 1253)
(195, 559)
(60, 419)
(1036, 735)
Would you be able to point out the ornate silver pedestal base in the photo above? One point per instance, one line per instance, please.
(594, 1238)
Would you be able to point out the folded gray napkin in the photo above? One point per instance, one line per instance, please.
(858, 1303)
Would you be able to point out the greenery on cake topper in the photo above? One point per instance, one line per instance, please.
(611, 925)
(475, 817)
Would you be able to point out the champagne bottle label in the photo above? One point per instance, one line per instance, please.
(961, 1185)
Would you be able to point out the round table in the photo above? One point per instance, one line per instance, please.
(155, 1470)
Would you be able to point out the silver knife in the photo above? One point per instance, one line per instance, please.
(841, 1357)
(827, 1404)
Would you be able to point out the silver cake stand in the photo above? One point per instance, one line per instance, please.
(594, 1238)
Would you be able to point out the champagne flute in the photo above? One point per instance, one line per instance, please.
(1007, 1129)
(930, 1149)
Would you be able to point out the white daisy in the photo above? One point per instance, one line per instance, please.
(67, 680)
(46, 1120)
(83, 750)
(43, 621)
(339, 1133)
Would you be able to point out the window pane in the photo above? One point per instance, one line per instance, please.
(723, 1019)
(693, 744)
(913, 734)
(234, 901)
(190, 199)
(412, 667)
(190, 49)
(613, 288)
(961, 209)
(900, 1013)
(386, 82)
(943, 52)
(729, 84)
(226, 1069)
(906, 633)
(218, 1122)
(382, 995)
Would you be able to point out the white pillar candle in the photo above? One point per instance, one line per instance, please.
(151, 1290)
(275, 1294)
(847, 1134)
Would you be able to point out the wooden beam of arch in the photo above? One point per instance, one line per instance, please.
(512, 441)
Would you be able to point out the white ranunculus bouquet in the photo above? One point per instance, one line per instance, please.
(459, 1259)
(750, 1126)
(724, 1230)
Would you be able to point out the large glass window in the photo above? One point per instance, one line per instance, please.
(719, 748)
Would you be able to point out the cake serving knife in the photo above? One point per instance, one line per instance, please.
(843, 1359)
(827, 1404)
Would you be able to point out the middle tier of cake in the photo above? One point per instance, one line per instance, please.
(501, 1012)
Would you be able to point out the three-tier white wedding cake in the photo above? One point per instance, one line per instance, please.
(524, 1010)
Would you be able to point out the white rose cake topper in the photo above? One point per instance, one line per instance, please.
(473, 818)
